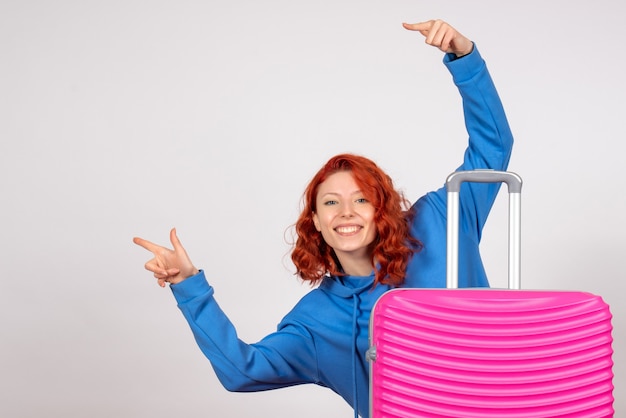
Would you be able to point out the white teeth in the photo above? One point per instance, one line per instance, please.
(347, 229)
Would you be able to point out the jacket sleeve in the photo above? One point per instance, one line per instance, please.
(490, 138)
(489, 147)
(284, 358)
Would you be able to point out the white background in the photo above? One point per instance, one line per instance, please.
(123, 118)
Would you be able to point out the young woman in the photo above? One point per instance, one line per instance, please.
(357, 238)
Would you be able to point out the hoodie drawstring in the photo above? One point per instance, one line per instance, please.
(355, 302)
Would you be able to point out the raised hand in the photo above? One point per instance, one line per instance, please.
(443, 36)
(168, 266)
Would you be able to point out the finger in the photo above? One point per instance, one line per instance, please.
(440, 37)
(161, 274)
(422, 27)
(166, 274)
(172, 271)
(150, 246)
(436, 33)
(155, 267)
(447, 40)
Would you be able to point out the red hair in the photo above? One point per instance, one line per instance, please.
(393, 245)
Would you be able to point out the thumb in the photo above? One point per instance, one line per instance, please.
(185, 268)
(178, 247)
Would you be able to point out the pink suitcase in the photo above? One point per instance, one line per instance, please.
(505, 353)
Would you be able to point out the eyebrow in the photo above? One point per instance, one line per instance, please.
(339, 194)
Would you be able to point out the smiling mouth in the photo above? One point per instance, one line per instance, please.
(347, 229)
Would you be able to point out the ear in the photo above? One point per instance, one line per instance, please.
(316, 222)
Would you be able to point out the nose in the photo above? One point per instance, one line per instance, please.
(347, 211)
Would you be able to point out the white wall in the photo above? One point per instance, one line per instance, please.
(124, 118)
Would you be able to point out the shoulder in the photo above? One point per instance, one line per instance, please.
(432, 204)
(312, 301)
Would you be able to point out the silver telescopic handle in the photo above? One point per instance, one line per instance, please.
(453, 185)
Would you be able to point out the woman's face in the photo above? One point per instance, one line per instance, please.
(345, 219)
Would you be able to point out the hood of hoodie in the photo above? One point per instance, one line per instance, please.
(347, 286)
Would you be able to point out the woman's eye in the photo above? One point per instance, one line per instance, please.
(330, 202)
(362, 200)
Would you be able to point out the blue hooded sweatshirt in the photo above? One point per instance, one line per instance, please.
(323, 340)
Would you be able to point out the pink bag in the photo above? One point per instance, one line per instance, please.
(473, 353)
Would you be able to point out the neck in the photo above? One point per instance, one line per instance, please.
(355, 266)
